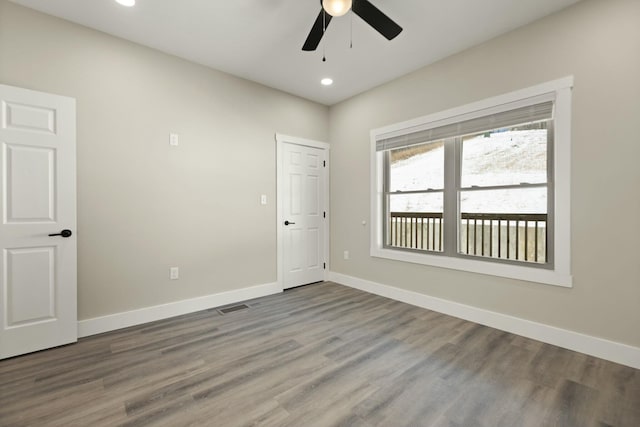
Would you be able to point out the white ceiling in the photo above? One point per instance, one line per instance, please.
(261, 40)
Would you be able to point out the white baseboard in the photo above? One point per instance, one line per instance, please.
(593, 346)
(125, 319)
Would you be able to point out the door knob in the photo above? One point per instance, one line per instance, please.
(287, 223)
(64, 233)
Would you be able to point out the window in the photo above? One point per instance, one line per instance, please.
(477, 188)
(414, 198)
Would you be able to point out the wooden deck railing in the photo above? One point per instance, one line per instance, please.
(520, 237)
(416, 230)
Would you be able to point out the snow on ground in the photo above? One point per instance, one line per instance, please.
(502, 158)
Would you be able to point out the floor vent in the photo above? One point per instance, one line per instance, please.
(232, 308)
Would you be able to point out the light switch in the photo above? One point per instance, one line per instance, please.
(174, 139)
(263, 199)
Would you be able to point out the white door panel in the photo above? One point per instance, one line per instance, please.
(303, 210)
(32, 118)
(313, 248)
(29, 183)
(37, 197)
(30, 285)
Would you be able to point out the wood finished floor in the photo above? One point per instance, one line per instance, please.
(320, 355)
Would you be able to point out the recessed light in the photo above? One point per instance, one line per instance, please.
(326, 81)
(127, 3)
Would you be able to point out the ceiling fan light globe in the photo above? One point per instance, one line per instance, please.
(336, 7)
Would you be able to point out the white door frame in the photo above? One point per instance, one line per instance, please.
(280, 140)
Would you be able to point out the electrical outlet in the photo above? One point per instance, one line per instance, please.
(263, 199)
(174, 273)
(174, 139)
(346, 254)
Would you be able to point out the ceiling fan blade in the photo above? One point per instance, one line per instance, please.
(374, 17)
(317, 31)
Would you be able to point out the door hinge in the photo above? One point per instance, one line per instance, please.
(324, 163)
(324, 265)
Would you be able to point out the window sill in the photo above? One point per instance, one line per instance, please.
(530, 274)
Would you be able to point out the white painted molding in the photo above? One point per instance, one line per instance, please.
(560, 275)
(302, 141)
(609, 350)
(98, 325)
(472, 108)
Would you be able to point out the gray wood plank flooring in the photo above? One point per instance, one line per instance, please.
(319, 355)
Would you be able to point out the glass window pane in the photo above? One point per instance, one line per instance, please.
(507, 224)
(512, 200)
(421, 202)
(419, 167)
(415, 221)
(506, 156)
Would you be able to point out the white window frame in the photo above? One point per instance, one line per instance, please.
(560, 274)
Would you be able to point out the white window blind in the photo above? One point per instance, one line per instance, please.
(527, 114)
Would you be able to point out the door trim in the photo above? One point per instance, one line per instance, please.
(280, 141)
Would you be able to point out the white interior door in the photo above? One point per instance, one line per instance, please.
(303, 211)
(38, 198)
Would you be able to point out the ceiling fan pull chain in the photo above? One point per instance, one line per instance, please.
(324, 28)
(324, 22)
(351, 29)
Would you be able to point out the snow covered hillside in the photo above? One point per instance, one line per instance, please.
(500, 158)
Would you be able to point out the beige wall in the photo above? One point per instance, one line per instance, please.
(597, 41)
(144, 206)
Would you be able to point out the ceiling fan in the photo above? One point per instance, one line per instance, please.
(363, 8)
